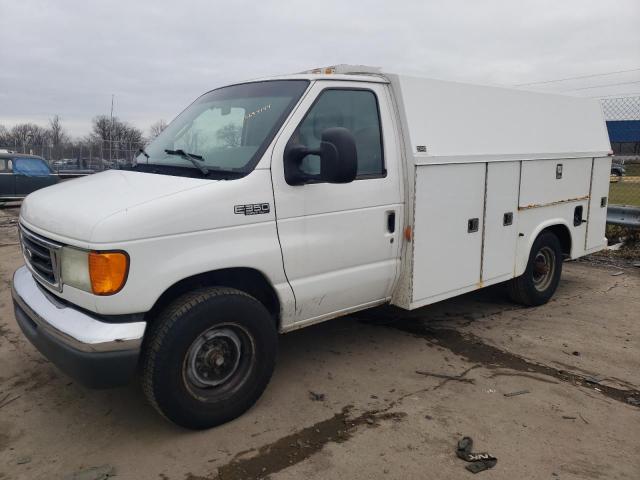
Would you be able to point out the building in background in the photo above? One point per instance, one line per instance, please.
(622, 115)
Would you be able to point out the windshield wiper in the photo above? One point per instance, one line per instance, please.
(194, 159)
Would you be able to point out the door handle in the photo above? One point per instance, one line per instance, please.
(473, 224)
(577, 216)
(391, 221)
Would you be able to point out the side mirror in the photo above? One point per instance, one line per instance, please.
(338, 158)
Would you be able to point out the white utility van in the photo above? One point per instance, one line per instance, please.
(275, 204)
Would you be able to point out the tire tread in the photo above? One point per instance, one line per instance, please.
(161, 327)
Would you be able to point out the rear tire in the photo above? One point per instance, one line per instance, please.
(208, 357)
(540, 280)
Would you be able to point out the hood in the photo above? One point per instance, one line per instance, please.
(73, 208)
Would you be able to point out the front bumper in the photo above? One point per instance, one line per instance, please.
(97, 354)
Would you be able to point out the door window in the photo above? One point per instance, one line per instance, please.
(31, 167)
(355, 110)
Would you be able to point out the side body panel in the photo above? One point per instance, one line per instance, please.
(447, 237)
(598, 204)
(7, 182)
(25, 185)
(544, 182)
(456, 122)
(444, 260)
(501, 220)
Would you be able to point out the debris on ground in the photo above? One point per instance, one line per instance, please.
(7, 402)
(478, 461)
(103, 472)
(514, 394)
(633, 401)
(23, 460)
(615, 274)
(568, 417)
(455, 378)
(575, 353)
(593, 379)
(316, 397)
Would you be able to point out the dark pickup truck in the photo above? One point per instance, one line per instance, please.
(21, 174)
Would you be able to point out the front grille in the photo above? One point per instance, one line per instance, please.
(42, 257)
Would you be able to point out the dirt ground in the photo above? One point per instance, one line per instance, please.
(392, 394)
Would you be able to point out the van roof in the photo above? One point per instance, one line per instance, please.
(18, 155)
(448, 121)
(357, 73)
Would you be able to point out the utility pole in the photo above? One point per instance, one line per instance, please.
(111, 134)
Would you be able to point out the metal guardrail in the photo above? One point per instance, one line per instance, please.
(624, 216)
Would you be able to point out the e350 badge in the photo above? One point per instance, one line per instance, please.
(251, 209)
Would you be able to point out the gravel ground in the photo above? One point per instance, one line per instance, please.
(381, 394)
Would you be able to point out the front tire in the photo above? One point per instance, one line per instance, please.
(208, 357)
(540, 280)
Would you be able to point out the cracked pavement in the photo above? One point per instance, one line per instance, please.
(400, 389)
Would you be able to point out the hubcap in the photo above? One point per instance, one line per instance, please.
(213, 357)
(544, 267)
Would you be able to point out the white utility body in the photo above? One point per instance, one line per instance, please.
(270, 205)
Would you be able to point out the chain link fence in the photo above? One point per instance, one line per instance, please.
(623, 121)
(621, 108)
(83, 157)
(624, 186)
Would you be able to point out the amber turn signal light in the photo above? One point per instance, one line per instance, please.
(108, 271)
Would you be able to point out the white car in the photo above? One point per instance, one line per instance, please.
(271, 205)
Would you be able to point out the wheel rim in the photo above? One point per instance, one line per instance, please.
(544, 267)
(218, 361)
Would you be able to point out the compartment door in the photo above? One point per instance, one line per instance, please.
(500, 231)
(598, 203)
(449, 205)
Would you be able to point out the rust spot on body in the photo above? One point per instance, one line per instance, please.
(535, 205)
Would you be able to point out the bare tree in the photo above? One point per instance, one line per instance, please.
(156, 129)
(117, 137)
(101, 128)
(57, 135)
(25, 136)
(4, 136)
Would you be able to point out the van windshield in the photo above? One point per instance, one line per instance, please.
(226, 130)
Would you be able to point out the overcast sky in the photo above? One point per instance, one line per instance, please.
(67, 57)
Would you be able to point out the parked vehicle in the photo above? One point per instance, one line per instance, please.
(617, 169)
(271, 205)
(22, 174)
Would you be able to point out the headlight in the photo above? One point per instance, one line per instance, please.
(75, 268)
(101, 273)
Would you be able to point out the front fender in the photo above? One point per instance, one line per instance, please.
(159, 263)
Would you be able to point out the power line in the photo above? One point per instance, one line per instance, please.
(617, 95)
(576, 78)
(600, 86)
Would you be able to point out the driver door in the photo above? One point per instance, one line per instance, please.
(7, 182)
(340, 242)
